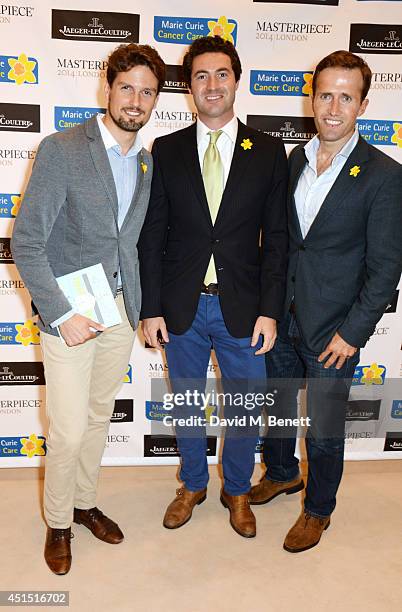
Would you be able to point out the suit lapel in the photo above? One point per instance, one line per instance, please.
(138, 186)
(343, 186)
(190, 156)
(101, 162)
(298, 162)
(240, 160)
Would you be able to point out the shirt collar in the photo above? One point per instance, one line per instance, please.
(230, 129)
(311, 148)
(111, 143)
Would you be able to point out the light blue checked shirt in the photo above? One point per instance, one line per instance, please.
(124, 169)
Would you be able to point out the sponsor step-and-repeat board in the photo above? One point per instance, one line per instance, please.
(52, 73)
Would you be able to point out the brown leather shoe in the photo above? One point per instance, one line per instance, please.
(179, 511)
(305, 533)
(58, 550)
(101, 526)
(266, 490)
(242, 518)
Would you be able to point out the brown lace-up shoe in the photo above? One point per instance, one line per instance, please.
(58, 550)
(180, 510)
(266, 490)
(305, 533)
(101, 526)
(241, 517)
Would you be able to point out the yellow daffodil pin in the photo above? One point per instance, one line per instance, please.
(144, 167)
(354, 171)
(246, 144)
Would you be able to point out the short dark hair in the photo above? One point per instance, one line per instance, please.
(210, 44)
(344, 59)
(128, 56)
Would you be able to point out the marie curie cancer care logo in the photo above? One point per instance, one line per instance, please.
(29, 446)
(373, 374)
(184, 30)
(19, 333)
(9, 205)
(381, 132)
(18, 69)
(280, 83)
(66, 117)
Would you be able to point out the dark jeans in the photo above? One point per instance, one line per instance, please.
(327, 392)
(188, 356)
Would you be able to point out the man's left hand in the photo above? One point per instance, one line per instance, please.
(337, 351)
(266, 327)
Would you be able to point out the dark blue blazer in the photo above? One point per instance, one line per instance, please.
(343, 274)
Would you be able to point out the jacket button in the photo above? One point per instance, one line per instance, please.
(114, 274)
(293, 279)
(215, 241)
(302, 247)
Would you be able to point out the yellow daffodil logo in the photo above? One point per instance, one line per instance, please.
(16, 202)
(32, 446)
(28, 333)
(307, 89)
(397, 136)
(128, 375)
(209, 411)
(222, 28)
(246, 144)
(21, 70)
(354, 171)
(372, 375)
(144, 167)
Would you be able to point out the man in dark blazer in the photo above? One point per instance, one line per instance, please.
(213, 264)
(85, 204)
(345, 215)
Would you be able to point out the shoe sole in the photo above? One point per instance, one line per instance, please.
(289, 491)
(187, 519)
(297, 550)
(224, 504)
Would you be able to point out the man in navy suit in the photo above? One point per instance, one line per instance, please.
(213, 264)
(345, 216)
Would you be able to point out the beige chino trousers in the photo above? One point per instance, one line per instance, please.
(81, 385)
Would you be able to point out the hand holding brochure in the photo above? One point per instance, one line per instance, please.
(89, 294)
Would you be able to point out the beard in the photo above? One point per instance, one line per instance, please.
(128, 125)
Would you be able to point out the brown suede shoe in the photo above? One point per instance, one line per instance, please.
(266, 490)
(58, 550)
(101, 526)
(241, 517)
(180, 510)
(305, 533)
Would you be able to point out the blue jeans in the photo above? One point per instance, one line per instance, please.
(327, 394)
(188, 356)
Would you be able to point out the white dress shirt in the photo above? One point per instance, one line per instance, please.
(225, 145)
(311, 189)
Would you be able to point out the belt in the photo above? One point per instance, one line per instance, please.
(211, 289)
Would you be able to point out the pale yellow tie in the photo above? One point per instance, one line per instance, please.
(212, 173)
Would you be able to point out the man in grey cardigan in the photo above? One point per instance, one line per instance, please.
(85, 204)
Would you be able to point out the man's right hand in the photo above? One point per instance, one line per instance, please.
(78, 329)
(150, 329)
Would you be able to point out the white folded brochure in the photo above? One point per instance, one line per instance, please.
(89, 294)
